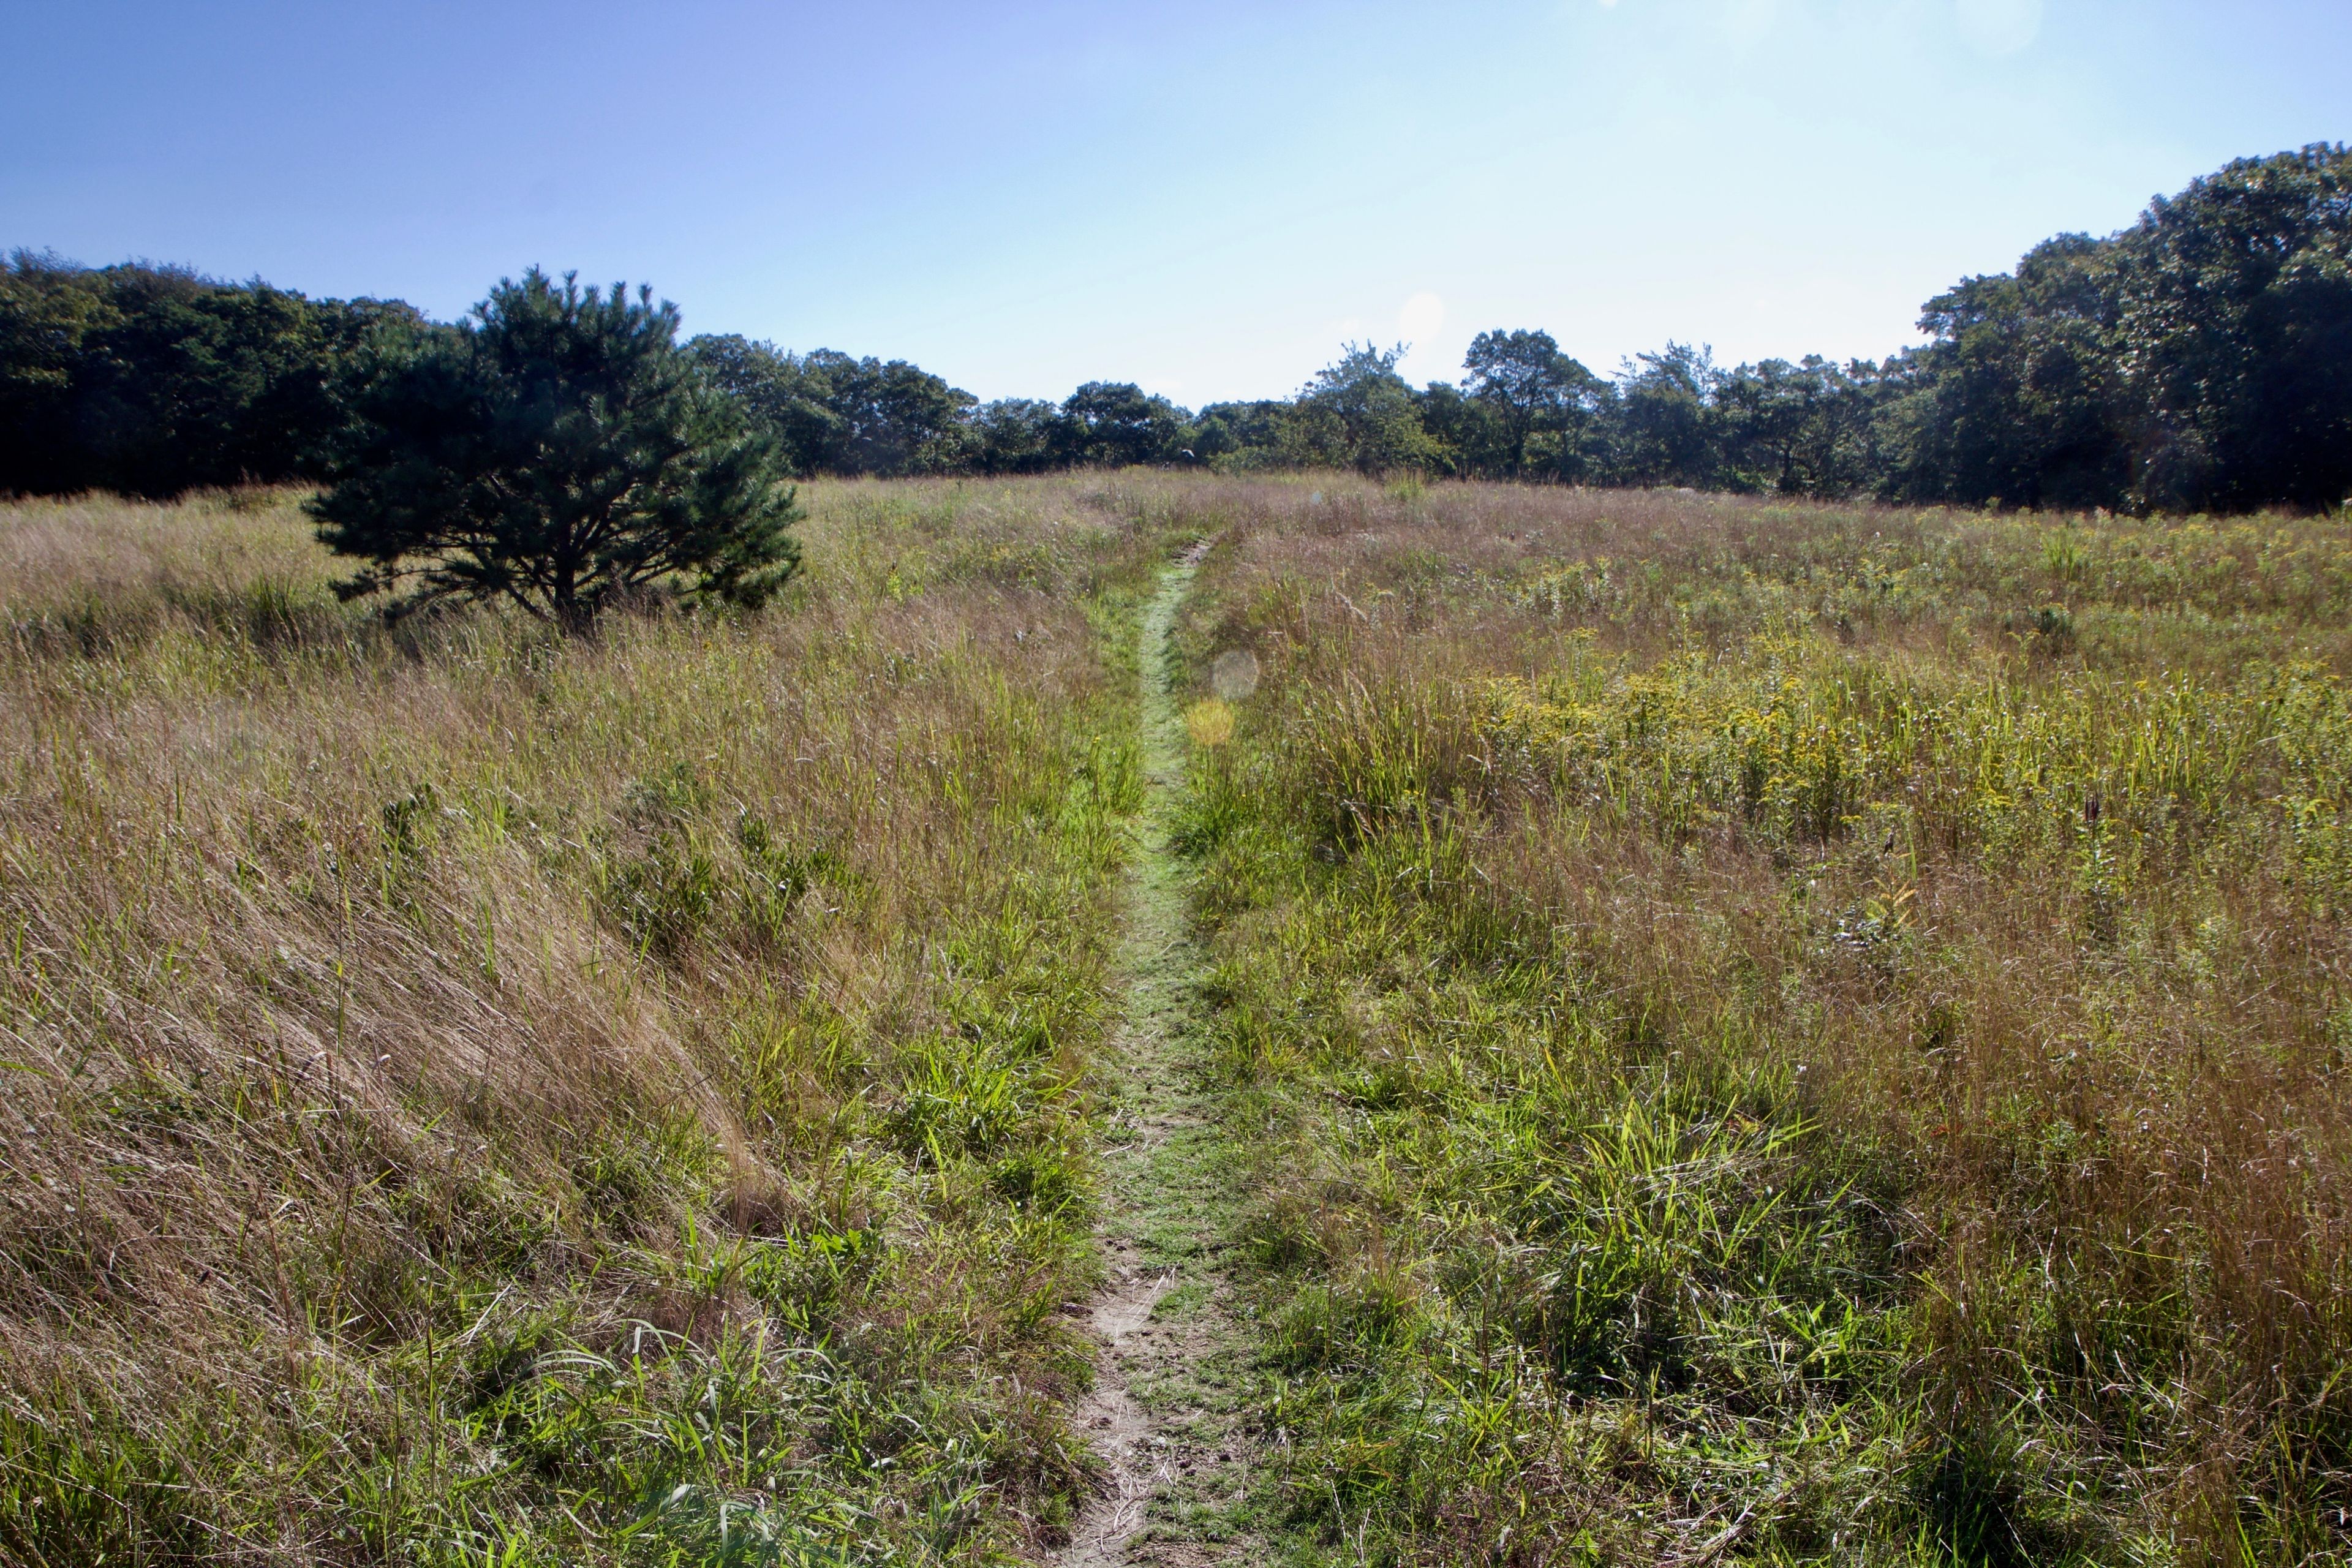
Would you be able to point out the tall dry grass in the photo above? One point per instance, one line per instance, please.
(475, 1097)
(1779, 1032)
(1806, 1031)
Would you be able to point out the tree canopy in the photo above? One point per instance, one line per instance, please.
(2200, 359)
(832, 414)
(1114, 423)
(153, 380)
(557, 451)
(1539, 404)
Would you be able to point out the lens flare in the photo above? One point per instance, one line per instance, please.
(1210, 722)
(1233, 676)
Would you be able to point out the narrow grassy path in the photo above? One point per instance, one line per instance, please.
(1164, 1417)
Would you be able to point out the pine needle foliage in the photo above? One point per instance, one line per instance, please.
(559, 452)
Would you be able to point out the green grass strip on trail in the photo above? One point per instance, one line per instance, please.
(1164, 1418)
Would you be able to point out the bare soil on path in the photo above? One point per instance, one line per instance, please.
(1164, 1417)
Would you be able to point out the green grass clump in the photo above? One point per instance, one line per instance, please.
(1787, 1033)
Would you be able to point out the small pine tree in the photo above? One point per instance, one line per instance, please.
(559, 451)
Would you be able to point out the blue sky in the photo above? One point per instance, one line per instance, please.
(1206, 198)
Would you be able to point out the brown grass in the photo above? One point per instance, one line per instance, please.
(2051, 993)
(1783, 1031)
(391, 1017)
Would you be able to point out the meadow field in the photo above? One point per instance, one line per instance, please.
(1703, 1030)
(478, 1098)
(1784, 1032)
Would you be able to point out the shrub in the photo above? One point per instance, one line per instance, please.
(560, 453)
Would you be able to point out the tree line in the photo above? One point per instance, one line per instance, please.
(2201, 358)
(153, 380)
